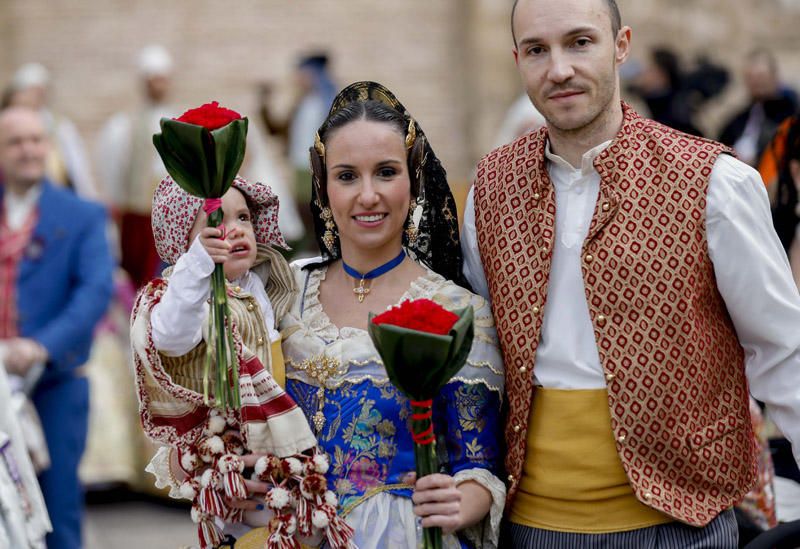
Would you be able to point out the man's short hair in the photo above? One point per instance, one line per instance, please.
(613, 10)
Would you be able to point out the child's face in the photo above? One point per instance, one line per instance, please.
(239, 233)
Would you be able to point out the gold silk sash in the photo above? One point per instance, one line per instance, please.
(573, 480)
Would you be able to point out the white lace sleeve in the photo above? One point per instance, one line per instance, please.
(159, 468)
(486, 533)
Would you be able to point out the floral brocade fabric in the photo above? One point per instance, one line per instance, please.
(364, 420)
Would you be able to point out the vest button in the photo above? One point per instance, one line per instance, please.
(601, 320)
(609, 377)
(250, 307)
(536, 196)
(648, 496)
(511, 479)
(589, 258)
(522, 369)
(517, 428)
(606, 206)
(535, 310)
(621, 439)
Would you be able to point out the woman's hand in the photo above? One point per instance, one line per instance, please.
(437, 501)
(441, 502)
(215, 244)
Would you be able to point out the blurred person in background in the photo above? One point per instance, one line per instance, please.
(770, 103)
(55, 281)
(521, 118)
(661, 86)
(130, 168)
(315, 93)
(68, 162)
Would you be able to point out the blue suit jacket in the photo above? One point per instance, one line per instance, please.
(64, 281)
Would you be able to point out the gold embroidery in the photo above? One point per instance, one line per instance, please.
(366, 495)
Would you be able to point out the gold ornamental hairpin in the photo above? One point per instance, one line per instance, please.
(319, 146)
(411, 135)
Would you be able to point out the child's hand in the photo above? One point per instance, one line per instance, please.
(212, 239)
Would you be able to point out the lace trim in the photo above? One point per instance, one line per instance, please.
(319, 321)
(487, 532)
(159, 467)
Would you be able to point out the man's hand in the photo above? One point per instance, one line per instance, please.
(21, 354)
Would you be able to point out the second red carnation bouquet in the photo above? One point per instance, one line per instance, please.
(422, 346)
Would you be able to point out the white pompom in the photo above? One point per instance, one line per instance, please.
(319, 519)
(278, 498)
(188, 461)
(187, 490)
(215, 445)
(295, 467)
(320, 463)
(195, 514)
(261, 465)
(206, 479)
(216, 424)
(331, 499)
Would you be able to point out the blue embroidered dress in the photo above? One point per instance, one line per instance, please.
(364, 420)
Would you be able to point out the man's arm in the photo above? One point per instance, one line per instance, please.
(754, 279)
(473, 267)
(91, 271)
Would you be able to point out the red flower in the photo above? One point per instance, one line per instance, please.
(211, 116)
(422, 315)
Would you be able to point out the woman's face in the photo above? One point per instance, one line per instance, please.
(369, 189)
(238, 222)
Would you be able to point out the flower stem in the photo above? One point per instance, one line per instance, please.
(426, 464)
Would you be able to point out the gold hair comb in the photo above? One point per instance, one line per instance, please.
(411, 135)
(319, 146)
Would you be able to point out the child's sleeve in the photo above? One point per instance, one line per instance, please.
(177, 320)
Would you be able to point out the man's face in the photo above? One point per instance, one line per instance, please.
(23, 147)
(761, 80)
(567, 57)
(157, 88)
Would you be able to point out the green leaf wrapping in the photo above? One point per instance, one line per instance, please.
(419, 363)
(202, 163)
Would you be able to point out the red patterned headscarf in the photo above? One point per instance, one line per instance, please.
(174, 212)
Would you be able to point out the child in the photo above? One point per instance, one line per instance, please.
(169, 333)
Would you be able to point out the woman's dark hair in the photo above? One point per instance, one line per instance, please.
(435, 215)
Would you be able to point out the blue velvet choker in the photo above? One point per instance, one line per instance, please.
(361, 290)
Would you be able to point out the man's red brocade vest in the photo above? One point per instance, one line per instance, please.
(677, 391)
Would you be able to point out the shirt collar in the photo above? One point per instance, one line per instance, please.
(587, 160)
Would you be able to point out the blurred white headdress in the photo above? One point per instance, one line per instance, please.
(154, 60)
(30, 75)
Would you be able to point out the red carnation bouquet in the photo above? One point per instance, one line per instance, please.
(202, 151)
(423, 345)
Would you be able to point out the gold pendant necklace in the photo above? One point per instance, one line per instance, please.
(364, 279)
(361, 290)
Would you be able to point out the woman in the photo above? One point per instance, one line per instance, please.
(386, 222)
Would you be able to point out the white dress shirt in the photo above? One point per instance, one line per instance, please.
(17, 208)
(750, 267)
(177, 320)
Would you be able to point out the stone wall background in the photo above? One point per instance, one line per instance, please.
(449, 61)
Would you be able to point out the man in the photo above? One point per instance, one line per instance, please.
(750, 130)
(130, 167)
(67, 162)
(55, 284)
(634, 276)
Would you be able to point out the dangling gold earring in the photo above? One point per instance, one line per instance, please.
(412, 232)
(329, 236)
